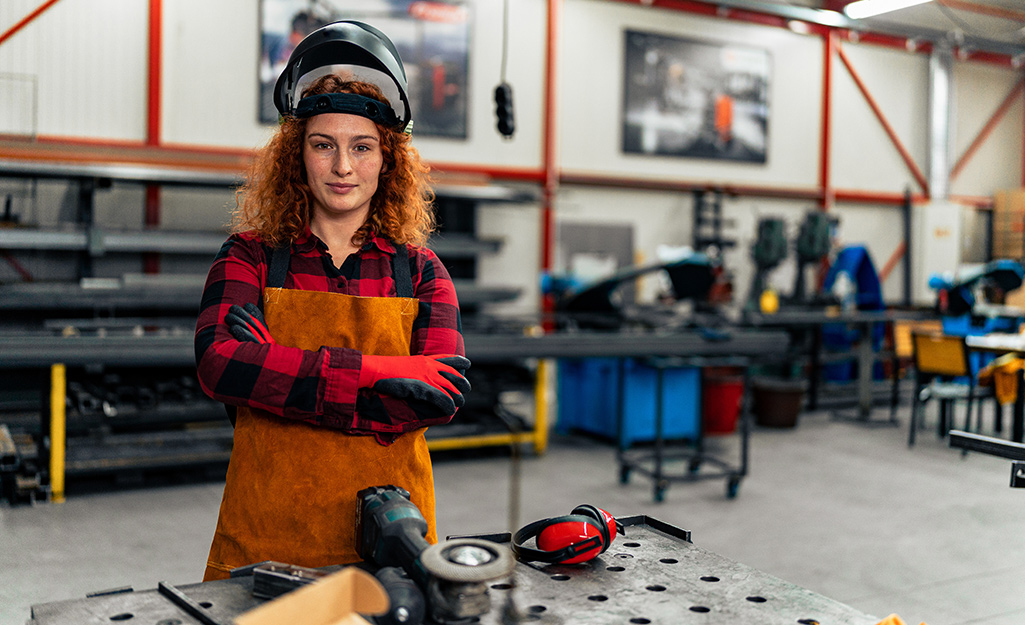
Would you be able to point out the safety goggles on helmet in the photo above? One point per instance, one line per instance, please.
(355, 51)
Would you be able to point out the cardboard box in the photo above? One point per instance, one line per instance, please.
(1009, 224)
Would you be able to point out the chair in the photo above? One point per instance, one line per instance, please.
(902, 354)
(942, 372)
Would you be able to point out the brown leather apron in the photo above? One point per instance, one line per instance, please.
(290, 491)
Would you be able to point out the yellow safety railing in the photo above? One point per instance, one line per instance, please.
(538, 437)
(58, 433)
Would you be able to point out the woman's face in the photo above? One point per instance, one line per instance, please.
(343, 159)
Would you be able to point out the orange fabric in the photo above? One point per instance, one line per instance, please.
(893, 619)
(1002, 375)
(290, 491)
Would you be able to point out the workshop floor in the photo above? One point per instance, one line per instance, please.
(843, 509)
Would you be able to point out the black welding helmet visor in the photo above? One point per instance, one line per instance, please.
(354, 51)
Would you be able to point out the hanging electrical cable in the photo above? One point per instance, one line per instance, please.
(503, 92)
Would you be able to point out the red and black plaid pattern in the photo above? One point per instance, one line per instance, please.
(320, 387)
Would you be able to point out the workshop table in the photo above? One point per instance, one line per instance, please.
(653, 574)
(866, 353)
(1000, 343)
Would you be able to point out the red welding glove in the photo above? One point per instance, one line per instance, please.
(247, 324)
(437, 379)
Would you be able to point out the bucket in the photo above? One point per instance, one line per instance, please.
(776, 403)
(721, 393)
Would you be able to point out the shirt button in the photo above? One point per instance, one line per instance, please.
(341, 284)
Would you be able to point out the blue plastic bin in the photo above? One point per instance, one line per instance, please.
(589, 399)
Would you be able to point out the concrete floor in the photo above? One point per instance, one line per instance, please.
(845, 510)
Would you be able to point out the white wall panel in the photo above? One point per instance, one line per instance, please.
(979, 90)
(863, 157)
(210, 56)
(89, 60)
(525, 72)
(591, 94)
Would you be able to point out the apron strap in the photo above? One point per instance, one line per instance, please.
(400, 272)
(280, 257)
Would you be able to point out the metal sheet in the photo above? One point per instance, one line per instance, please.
(35, 350)
(650, 575)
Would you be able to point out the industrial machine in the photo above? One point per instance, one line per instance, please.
(973, 297)
(595, 305)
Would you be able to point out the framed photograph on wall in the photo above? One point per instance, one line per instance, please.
(695, 98)
(432, 37)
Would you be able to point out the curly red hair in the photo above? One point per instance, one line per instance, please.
(276, 202)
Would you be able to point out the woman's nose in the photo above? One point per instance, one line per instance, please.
(342, 164)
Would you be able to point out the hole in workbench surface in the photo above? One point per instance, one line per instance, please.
(631, 544)
(640, 620)
(699, 608)
(501, 586)
(757, 599)
(709, 578)
(623, 556)
(655, 588)
(124, 616)
(668, 560)
(537, 609)
(808, 621)
(597, 598)
(560, 578)
(615, 569)
(206, 604)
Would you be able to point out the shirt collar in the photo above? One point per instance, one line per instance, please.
(307, 241)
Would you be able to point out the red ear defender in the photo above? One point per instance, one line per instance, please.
(577, 537)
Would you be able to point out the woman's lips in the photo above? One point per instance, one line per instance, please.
(341, 188)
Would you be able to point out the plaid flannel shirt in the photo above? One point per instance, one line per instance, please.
(320, 387)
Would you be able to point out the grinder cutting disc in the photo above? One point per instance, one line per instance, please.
(468, 560)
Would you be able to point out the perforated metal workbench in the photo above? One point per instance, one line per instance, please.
(651, 575)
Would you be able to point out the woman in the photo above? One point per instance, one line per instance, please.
(358, 346)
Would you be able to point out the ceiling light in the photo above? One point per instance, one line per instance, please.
(870, 8)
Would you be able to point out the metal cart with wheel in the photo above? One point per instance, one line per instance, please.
(651, 462)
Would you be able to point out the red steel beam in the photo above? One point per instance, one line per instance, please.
(154, 79)
(25, 21)
(825, 138)
(549, 155)
(550, 165)
(151, 261)
(898, 253)
(523, 174)
(987, 129)
(904, 154)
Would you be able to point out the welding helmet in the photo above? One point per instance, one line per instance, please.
(577, 537)
(355, 51)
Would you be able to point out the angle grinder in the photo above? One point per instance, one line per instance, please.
(453, 574)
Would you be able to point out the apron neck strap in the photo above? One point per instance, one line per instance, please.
(279, 260)
(400, 272)
(281, 256)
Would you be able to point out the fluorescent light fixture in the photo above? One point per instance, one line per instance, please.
(870, 8)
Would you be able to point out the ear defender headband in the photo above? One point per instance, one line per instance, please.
(578, 537)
